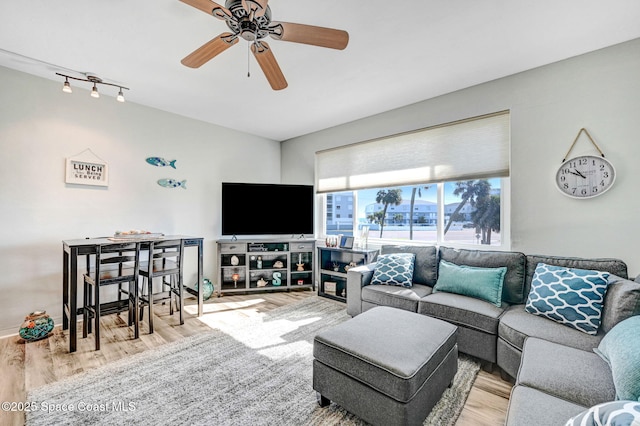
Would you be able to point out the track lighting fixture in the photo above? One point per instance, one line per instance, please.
(94, 91)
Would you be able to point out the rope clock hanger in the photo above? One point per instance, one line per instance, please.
(585, 176)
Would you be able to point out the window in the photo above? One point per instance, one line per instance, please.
(444, 184)
(470, 213)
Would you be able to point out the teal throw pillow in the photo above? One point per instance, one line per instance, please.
(573, 297)
(480, 283)
(615, 413)
(394, 269)
(620, 348)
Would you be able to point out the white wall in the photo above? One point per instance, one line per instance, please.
(40, 126)
(549, 105)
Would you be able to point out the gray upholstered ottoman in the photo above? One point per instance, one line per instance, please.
(387, 366)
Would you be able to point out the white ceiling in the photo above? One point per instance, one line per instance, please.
(399, 53)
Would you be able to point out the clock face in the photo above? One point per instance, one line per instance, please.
(585, 177)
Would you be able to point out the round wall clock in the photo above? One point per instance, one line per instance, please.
(586, 176)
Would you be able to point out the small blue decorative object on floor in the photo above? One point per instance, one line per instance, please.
(37, 325)
(207, 289)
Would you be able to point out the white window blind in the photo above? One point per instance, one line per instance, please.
(474, 148)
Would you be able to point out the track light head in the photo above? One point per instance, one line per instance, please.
(66, 88)
(94, 91)
(120, 97)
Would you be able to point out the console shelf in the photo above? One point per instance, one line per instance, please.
(333, 266)
(264, 265)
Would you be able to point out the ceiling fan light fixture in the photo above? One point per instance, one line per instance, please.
(120, 97)
(66, 87)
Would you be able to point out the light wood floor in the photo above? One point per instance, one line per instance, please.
(24, 366)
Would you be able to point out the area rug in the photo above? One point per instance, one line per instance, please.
(257, 372)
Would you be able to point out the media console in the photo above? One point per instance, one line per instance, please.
(270, 264)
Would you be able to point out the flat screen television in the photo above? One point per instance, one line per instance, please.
(267, 209)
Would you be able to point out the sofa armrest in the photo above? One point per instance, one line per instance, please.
(357, 278)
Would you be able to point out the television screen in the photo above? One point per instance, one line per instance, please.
(267, 209)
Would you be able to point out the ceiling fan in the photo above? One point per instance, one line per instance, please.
(251, 20)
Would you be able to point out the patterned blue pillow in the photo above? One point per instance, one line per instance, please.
(615, 413)
(394, 269)
(572, 297)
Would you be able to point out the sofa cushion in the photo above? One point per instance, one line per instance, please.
(394, 269)
(462, 310)
(612, 413)
(516, 325)
(581, 377)
(621, 349)
(395, 296)
(425, 270)
(529, 406)
(514, 278)
(472, 281)
(621, 301)
(570, 296)
(612, 266)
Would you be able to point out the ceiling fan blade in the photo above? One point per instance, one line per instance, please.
(209, 50)
(209, 7)
(309, 34)
(269, 65)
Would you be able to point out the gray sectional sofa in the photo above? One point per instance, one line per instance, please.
(557, 374)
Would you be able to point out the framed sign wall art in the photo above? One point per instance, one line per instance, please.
(87, 168)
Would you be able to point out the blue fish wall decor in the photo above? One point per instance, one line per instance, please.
(172, 183)
(161, 162)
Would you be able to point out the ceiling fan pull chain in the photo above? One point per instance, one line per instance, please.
(248, 59)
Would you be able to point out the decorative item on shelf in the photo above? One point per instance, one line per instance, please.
(207, 288)
(364, 236)
(344, 293)
(172, 183)
(330, 287)
(235, 261)
(332, 241)
(300, 282)
(349, 266)
(277, 278)
(278, 264)
(259, 262)
(300, 264)
(346, 242)
(37, 325)
(161, 162)
(235, 277)
(262, 282)
(336, 266)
